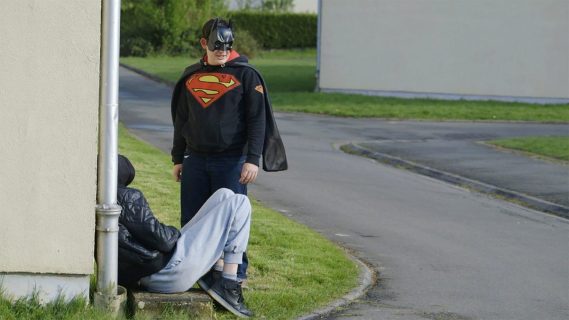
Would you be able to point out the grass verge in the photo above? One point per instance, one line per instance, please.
(290, 76)
(556, 148)
(293, 270)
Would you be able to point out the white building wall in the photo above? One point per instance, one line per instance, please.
(49, 93)
(485, 48)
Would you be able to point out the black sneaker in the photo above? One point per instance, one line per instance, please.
(209, 279)
(228, 294)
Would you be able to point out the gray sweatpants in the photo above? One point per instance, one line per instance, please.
(221, 227)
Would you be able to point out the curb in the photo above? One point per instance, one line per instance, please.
(520, 198)
(365, 282)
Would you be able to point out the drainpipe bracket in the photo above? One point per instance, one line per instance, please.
(107, 217)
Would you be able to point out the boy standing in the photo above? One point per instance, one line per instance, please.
(223, 123)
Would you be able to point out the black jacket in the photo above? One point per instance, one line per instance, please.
(145, 244)
(236, 132)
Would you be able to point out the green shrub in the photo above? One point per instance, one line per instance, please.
(278, 30)
(245, 44)
(139, 28)
(136, 47)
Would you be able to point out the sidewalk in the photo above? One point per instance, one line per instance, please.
(536, 183)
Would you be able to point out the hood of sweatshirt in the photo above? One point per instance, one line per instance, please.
(126, 172)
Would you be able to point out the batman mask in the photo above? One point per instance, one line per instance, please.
(220, 37)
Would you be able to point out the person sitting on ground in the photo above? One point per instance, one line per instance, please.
(207, 250)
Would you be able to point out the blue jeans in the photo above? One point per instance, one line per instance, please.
(203, 175)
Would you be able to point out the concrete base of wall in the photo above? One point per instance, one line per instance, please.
(446, 96)
(47, 286)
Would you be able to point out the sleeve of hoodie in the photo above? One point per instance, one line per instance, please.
(180, 119)
(255, 113)
(145, 228)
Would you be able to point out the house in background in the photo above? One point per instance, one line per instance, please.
(49, 103)
(514, 50)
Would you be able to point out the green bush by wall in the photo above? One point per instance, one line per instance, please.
(246, 44)
(278, 30)
(165, 26)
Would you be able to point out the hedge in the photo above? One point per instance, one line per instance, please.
(278, 30)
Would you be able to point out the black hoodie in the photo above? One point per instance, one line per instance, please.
(220, 110)
(145, 244)
(273, 152)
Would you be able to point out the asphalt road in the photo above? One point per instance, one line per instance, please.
(442, 252)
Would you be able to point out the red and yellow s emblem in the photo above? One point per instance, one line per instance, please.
(209, 87)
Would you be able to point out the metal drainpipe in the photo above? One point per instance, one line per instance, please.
(107, 210)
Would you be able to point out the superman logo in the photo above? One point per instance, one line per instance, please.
(209, 87)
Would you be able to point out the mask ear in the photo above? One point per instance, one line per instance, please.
(230, 24)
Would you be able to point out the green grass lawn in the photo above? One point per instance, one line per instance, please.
(30, 309)
(550, 147)
(290, 76)
(293, 270)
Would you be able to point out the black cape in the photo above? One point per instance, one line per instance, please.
(274, 156)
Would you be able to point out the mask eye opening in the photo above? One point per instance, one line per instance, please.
(219, 45)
